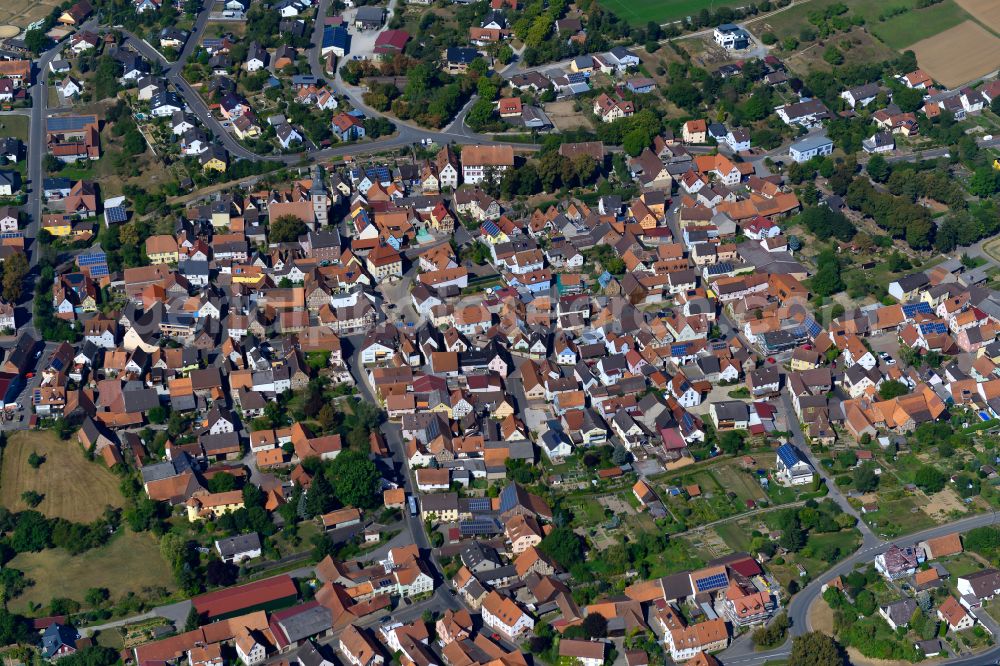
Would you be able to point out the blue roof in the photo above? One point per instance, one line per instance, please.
(491, 228)
(479, 526)
(789, 455)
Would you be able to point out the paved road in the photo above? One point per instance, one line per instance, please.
(742, 650)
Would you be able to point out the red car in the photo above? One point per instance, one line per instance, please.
(495, 636)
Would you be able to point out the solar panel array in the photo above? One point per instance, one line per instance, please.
(97, 262)
(678, 350)
(379, 173)
(116, 214)
(812, 327)
(789, 456)
(491, 228)
(932, 327)
(911, 309)
(480, 505)
(69, 123)
(479, 526)
(712, 582)
(722, 267)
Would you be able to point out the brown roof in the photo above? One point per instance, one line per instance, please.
(578, 649)
(488, 156)
(949, 544)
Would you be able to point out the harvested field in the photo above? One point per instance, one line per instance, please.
(986, 12)
(74, 488)
(563, 116)
(959, 55)
(24, 12)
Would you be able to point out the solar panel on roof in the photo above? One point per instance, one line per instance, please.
(69, 123)
(789, 456)
(711, 582)
(677, 350)
(813, 327)
(480, 504)
(912, 309)
(491, 228)
(115, 214)
(479, 526)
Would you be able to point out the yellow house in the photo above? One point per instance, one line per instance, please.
(162, 249)
(503, 410)
(443, 408)
(214, 505)
(213, 159)
(247, 274)
(57, 225)
(89, 304)
(996, 164)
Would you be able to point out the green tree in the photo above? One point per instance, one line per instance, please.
(596, 625)
(564, 546)
(15, 629)
(36, 41)
(892, 389)
(865, 479)
(878, 168)
(286, 229)
(816, 649)
(15, 268)
(193, 620)
(32, 498)
(355, 479)
(930, 479)
(35, 460)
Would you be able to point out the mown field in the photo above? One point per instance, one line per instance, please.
(640, 12)
(130, 562)
(74, 488)
(906, 29)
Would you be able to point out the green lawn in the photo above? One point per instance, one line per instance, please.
(15, 126)
(898, 516)
(733, 535)
(640, 12)
(130, 562)
(910, 27)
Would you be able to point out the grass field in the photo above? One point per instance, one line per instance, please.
(74, 488)
(910, 27)
(734, 535)
(899, 516)
(640, 12)
(129, 563)
(15, 126)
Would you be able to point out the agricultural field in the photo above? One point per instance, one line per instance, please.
(959, 55)
(73, 487)
(902, 30)
(22, 13)
(986, 12)
(640, 12)
(130, 562)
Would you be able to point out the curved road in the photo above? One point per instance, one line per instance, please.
(742, 650)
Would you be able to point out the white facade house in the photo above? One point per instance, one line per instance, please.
(505, 617)
(792, 469)
(731, 37)
(810, 147)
